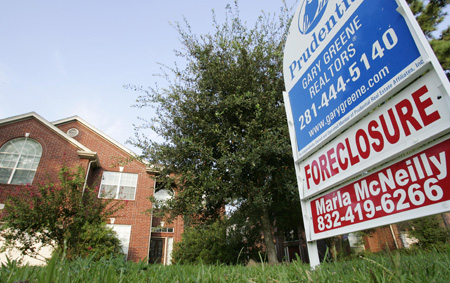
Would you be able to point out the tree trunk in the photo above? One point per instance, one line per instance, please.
(268, 237)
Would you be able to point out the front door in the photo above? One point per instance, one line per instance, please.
(156, 250)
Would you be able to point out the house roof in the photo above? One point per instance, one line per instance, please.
(36, 116)
(83, 150)
(150, 167)
(94, 129)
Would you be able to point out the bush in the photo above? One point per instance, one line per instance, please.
(97, 241)
(62, 215)
(221, 242)
(204, 244)
(430, 233)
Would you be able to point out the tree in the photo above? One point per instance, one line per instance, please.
(66, 216)
(430, 14)
(430, 232)
(441, 47)
(223, 120)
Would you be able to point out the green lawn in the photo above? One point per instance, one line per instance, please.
(421, 267)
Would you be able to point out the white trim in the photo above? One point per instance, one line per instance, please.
(119, 181)
(46, 123)
(37, 153)
(165, 252)
(73, 132)
(97, 131)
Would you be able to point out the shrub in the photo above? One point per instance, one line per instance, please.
(97, 241)
(62, 215)
(204, 244)
(430, 233)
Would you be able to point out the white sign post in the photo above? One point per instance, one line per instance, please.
(343, 59)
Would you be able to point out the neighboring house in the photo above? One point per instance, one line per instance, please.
(32, 150)
(388, 237)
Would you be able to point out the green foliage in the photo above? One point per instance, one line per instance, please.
(430, 232)
(204, 244)
(220, 242)
(244, 239)
(223, 120)
(430, 14)
(441, 47)
(62, 215)
(98, 240)
(420, 267)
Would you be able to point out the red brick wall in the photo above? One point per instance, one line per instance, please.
(381, 239)
(56, 151)
(134, 213)
(179, 229)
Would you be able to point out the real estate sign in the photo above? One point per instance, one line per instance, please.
(365, 99)
(340, 55)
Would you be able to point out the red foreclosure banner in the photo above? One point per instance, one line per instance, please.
(396, 192)
(419, 113)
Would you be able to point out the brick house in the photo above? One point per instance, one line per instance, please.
(32, 150)
(375, 240)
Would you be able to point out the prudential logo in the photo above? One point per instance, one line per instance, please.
(311, 12)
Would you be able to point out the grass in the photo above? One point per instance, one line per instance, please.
(395, 267)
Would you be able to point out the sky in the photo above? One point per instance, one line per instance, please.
(66, 58)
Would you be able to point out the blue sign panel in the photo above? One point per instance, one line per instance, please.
(369, 54)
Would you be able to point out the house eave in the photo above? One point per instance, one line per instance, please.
(90, 155)
(153, 169)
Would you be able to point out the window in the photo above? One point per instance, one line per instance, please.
(118, 185)
(123, 234)
(19, 159)
(162, 229)
(161, 193)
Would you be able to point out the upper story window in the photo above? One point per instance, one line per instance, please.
(118, 185)
(161, 193)
(19, 159)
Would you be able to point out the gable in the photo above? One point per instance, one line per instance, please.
(42, 131)
(110, 152)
